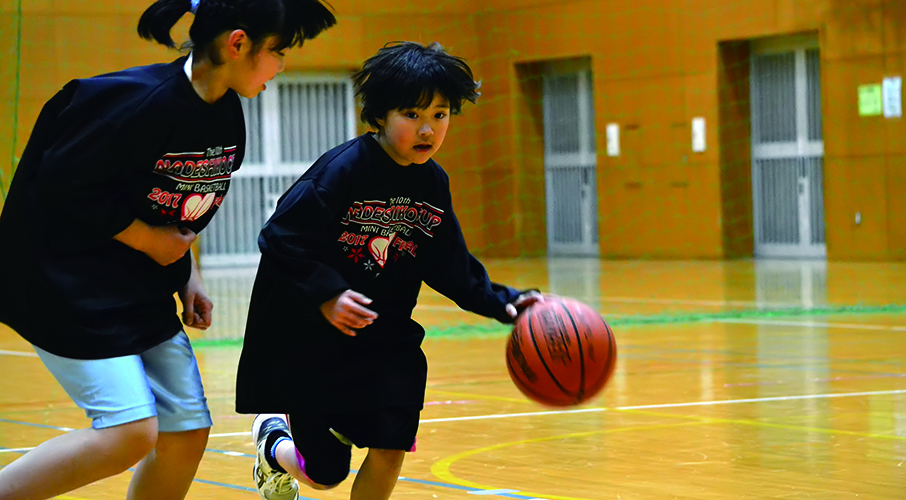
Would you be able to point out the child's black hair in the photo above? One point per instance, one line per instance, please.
(407, 75)
(291, 21)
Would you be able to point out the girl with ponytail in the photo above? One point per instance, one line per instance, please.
(120, 174)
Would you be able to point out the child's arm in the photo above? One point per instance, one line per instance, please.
(85, 169)
(458, 275)
(294, 241)
(164, 244)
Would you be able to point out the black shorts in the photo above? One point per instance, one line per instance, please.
(327, 458)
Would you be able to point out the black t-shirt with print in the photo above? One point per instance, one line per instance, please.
(356, 220)
(139, 143)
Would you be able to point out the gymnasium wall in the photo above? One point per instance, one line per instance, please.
(8, 63)
(66, 39)
(656, 64)
(659, 63)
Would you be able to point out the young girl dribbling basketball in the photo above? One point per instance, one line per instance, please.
(330, 338)
(119, 175)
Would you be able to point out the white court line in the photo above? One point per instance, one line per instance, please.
(638, 407)
(760, 400)
(667, 405)
(595, 410)
(18, 353)
(814, 324)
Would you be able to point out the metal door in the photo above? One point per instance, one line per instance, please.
(288, 127)
(787, 153)
(569, 164)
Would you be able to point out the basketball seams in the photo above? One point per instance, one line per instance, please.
(522, 385)
(572, 320)
(611, 357)
(541, 358)
(515, 375)
(613, 348)
(547, 325)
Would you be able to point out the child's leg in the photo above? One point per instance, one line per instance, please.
(319, 457)
(314, 455)
(292, 461)
(378, 475)
(167, 472)
(183, 419)
(117, 397)
(388, 433)
(76, 459)
(278, 464)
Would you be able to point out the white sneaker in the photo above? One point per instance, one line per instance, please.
(272, 485)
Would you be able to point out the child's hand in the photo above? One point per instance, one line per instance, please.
(522, 302)
(196, 306)
(347, 312)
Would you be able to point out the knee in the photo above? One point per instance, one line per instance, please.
(133, 440)
(194, 439)
(189, 445)
(387, 458)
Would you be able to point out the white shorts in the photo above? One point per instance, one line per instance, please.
(163, 381)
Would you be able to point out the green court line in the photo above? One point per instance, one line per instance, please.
(494, 331)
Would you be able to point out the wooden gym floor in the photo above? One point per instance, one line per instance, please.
(735, 380)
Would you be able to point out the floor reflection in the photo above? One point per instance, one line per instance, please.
(632, 287)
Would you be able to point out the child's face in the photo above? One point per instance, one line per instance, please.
(413, 135)
(258, 68)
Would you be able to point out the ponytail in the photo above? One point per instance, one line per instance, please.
(291, 21)
(305, 19)
(157, 21)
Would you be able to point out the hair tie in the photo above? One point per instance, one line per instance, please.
(194, 8)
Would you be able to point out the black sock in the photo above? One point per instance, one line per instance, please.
(269, 441)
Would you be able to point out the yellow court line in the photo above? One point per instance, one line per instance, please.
(756, 423)
(441, 468)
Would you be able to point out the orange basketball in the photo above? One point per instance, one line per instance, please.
(561, 352)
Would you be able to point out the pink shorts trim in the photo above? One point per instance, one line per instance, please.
(301, 461)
